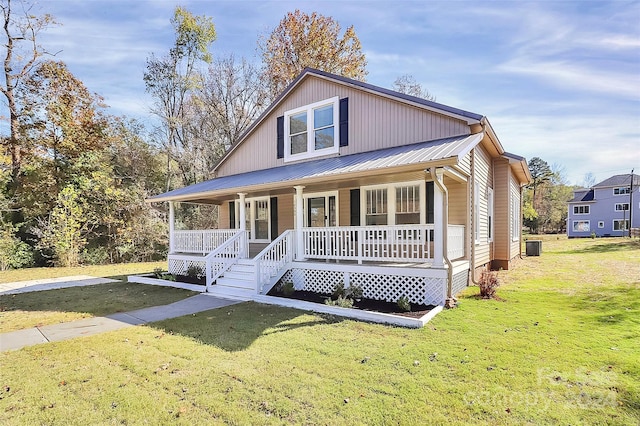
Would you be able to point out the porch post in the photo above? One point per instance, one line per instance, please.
(243, 224)
(171, 227)
(299, 224)
(438, 219)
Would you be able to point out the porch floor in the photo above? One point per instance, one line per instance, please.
(456, 264)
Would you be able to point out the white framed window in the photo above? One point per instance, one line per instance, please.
(601, 224)
(312, 130)
(393, 204)
(490, 210)
(621, 190)
(515, 219)
(620, 224)
(581, 226)
(257, 220)
(620, 207)
(408, 204)
(582, 209)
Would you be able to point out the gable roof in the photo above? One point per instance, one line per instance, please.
(619, 180)
(448, 149)
(469, 117)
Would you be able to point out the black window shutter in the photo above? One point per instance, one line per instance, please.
(274, 217)
(232, 215)
(355, 207)
(429, 202)
(344, 122)
(280, 126)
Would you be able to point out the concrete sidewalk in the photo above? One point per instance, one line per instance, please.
(52, 284)
(90, 326)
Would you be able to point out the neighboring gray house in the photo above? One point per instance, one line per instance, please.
(606, 209)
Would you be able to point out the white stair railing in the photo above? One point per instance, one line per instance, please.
(272, 262)
(220, 260)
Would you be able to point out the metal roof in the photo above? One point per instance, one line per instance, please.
(414, 154)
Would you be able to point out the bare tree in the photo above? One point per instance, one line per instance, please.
(408, 85)
(20, 30)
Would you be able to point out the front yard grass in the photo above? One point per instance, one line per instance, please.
(561, 347)
(26, 310)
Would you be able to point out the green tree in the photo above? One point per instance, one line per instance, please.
(300, 41)
(64, 228)
(172, 79)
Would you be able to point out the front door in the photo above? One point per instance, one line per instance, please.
(321, 211)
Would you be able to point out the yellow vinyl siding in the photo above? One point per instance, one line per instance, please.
(502, 221)
(375, 122)
(483, 179)
(514, 191)
(458, 202)
(223, 216)
(285, 213)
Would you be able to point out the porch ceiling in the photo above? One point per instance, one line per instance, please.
(355, 167)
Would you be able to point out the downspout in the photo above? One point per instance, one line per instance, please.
(450, 302)
(472, 239)
(520, 225)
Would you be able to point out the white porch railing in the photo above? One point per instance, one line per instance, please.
(272, 262)
(219, 260)
(398, 243)
(201, 242)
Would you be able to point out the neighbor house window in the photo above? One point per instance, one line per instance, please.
(580, 209)
(312, 130)
(620, 207)
(621, 190)
(620, 224)
(581, 226)
(407, 204)
(601, 224)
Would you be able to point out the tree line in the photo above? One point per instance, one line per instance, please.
(73, 177)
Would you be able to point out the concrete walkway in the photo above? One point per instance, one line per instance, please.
(90, 326)
(51, 284)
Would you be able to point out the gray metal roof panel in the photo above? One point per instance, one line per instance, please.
(372, 160)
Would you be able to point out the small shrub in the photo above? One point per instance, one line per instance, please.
(593, 235)
(288, 289)
(488, 284)
(338, 291)
(342, 302)
(158, 273)
(403, 304)
(168, 277)
(195, 271)
(354, 292)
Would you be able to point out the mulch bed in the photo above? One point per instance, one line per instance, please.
(191, 280)
(417, 311)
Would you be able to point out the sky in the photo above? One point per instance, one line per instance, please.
(559, 80)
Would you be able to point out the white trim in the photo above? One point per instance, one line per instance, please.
(252, 217)
(586, 208)
(573, 225)
(616, 209)
(490, 210)
(601, 224)
(476, 212)
(391, 200)
(325, 195)
(625, 228)
(625, 190)
(311, 152)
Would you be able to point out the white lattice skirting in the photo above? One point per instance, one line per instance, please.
(420, 286)
(180, 266)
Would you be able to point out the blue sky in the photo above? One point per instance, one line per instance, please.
(558, 80)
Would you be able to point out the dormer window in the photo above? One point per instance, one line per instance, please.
(312, 130)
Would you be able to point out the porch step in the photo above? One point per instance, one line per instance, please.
(236, 283)
(231, 293)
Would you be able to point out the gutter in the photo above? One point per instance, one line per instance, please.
(472, 239)
(450, 302)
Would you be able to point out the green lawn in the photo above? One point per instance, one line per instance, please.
(561, 347)
(117, 271)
